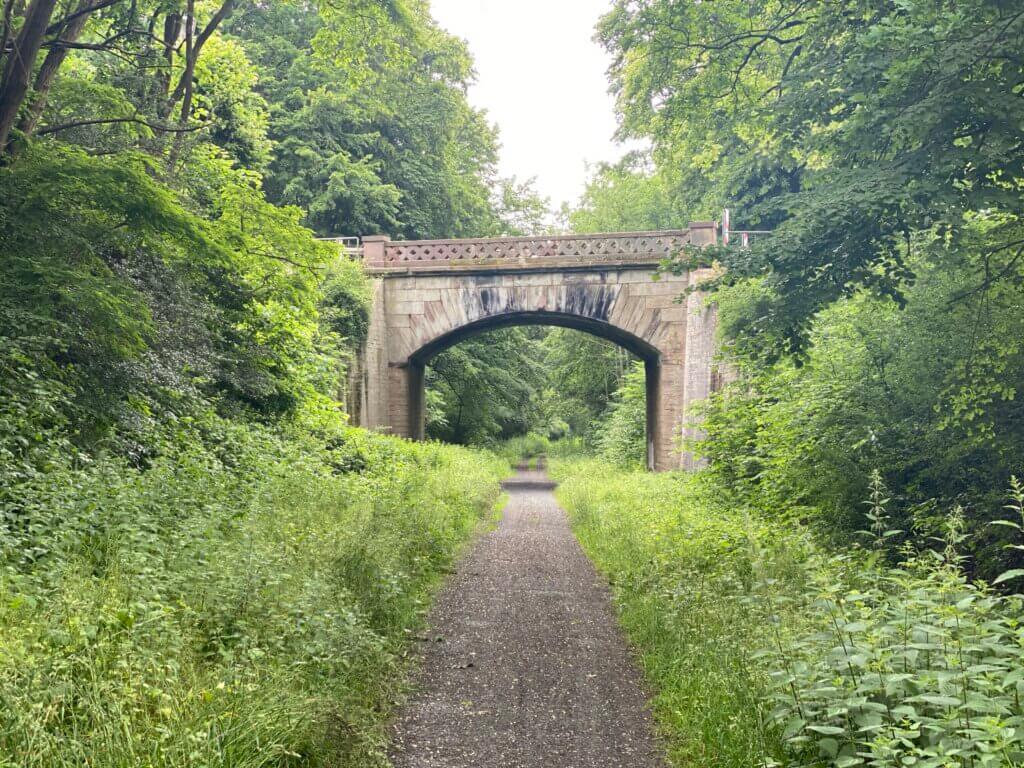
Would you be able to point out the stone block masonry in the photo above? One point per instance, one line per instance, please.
(429, 295)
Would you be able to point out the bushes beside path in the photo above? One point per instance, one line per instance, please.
(765, 648)
(246, 599)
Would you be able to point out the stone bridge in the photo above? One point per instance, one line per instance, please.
(429, 295)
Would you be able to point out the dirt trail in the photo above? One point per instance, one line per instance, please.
(524, 664)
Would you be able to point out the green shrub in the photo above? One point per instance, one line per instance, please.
(622, 433)
(766, 649)
(246, 604)
(912, 665)
(345, 306)
(524, 448)
(907, 666)
(904, 390)
(568, 448)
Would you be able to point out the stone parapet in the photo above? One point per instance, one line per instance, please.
(382, 255)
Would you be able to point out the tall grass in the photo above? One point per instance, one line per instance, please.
(765, 649)
(681, 571)
(243, 605)
(531, 448)
(524, 448)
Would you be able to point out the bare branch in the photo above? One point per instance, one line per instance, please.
(114, 120)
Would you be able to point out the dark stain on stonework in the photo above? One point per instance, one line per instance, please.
(583, 300)
(589, 301)
(493, 301)
(488, 300)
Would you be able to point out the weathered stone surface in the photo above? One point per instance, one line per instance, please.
(426, 299)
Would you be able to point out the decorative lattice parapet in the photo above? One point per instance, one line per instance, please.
(380, 254)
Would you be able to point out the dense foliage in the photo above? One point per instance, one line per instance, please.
(485, 388)
(878, 389)
(200, 563)
(879, 325)
(366, 107)
(246, 604)
(765, 649)
(554, 382)
(864, 133)
(150, 260)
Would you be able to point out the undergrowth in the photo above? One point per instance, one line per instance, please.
(764, 648)
(243, 604)
(533, 448)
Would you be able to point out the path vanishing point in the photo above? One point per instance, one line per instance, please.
(524, 664)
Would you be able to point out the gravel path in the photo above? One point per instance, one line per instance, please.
(524, 664)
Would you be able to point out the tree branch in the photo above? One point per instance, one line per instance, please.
(56, 26)
(989, 278)
(14, 83)
(8, 21)
(113, 120)
(190, 58)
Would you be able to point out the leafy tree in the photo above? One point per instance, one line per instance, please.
(863, 133)
(370, 116)
(584, 372)
(877, 327)
(623, 429)
(881, 387)
(486, 387)
(521, 209)
(629, 196)
(141, 298)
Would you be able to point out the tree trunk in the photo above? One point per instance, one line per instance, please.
(193, 47)
(8, 23)
(48, 71)
(172, 31)
(192, 53)
(187, 76)
(19, 64)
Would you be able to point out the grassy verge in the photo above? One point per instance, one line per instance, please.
(248, 604)
(764, 649)
(679, 571)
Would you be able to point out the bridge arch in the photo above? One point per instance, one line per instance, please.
(651, 357)
(430, 295)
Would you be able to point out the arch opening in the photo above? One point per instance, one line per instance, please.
(419, 360)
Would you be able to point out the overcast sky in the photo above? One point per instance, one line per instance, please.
(541, 78)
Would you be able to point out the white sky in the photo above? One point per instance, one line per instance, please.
(541, 78)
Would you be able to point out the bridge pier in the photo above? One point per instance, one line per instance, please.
(429, 295)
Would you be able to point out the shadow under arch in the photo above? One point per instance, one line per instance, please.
(651, 357)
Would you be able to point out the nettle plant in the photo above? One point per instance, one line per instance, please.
(908, 666)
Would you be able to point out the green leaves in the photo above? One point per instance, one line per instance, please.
(1013, 573)
(199, 610)
(487, 387)
(1016, 505)
(149, 305)
(915, 666)
(850, 129)
(908, 684)
(372, 130)
(622, 436)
